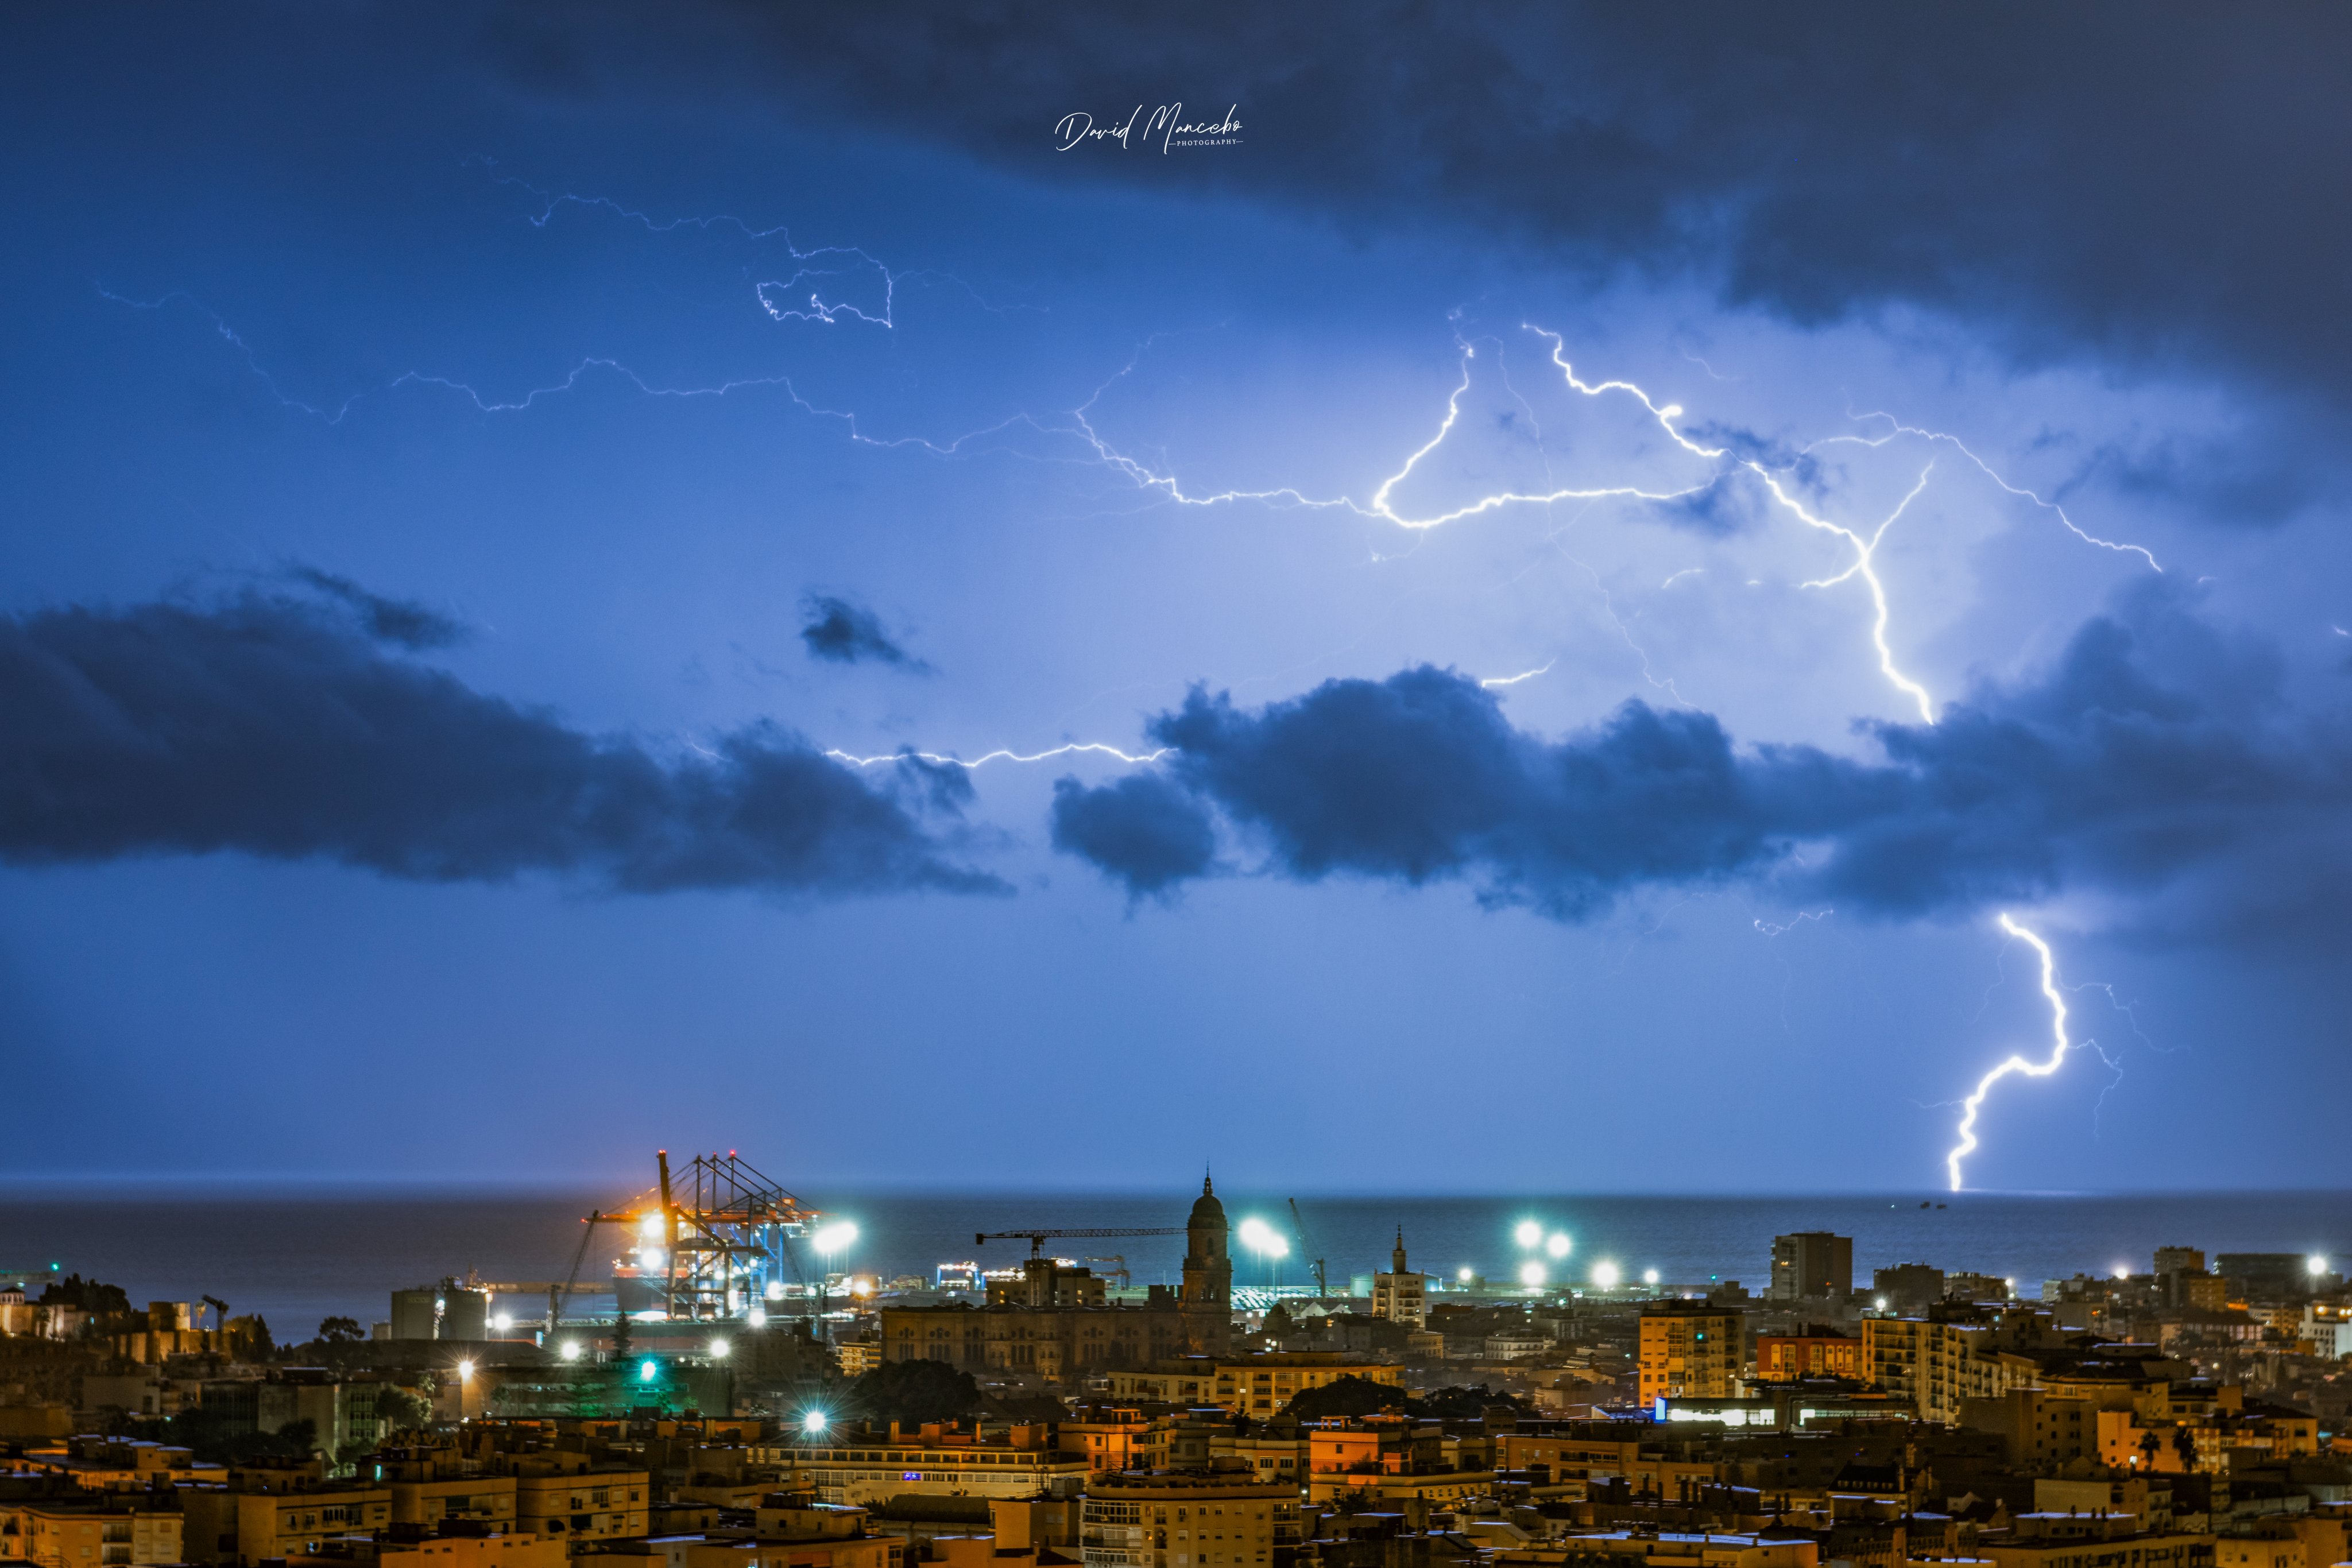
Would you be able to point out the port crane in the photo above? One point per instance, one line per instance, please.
(1038, 1238)
(706, 1243)
(1307, 1249)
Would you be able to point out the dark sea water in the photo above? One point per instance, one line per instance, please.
(296, 1259)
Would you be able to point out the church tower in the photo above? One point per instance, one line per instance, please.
(1208, 1288)
(1400, 1295)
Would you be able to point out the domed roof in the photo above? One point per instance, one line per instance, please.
(1206, 1210)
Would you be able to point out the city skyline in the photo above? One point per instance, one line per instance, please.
(585, 585)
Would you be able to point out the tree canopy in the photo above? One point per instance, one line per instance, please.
(94, 1297)
(1347, 1396)
(914, 1392)
(1362, 1396)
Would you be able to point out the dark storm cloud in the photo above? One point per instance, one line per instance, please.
(2136, 179)
(400, 622)
(1145, 831)
(2154, 752)
(842, 632)
(266, 725)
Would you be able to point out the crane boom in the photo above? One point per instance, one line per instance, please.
(1307, 1249)
(1038, 1238)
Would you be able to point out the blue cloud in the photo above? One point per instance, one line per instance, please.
(266, 726)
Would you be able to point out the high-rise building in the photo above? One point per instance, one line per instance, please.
(1399, 1295)
(1811, 1264)
(1932, 1366)
(1691, 1350)
(1908, 1288)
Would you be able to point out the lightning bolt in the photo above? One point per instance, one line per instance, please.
(1864, 550)
(1003, 755)
(2060, 1045)
(1777, 928)
(804, 294)
(1496, 681)
(1383, 505)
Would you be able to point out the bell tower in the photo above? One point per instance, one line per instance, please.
(1207, 1293)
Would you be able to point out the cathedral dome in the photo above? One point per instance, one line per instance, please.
(1206, 1210)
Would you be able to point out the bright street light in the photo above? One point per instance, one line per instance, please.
(834, 1237)
(570, 1351)
(649, 1230)
(503, 1322)
(1259, 1236)
(1605, 1275)
(1531, 1275)
(757, 1317)
(1559, 1245)
(465, 1369)
(2317, 1263)
(813, 1422)
(718, 1350)
(1464, 1275)
(1529, 1234)
(648, 1371)
(1649, 1276)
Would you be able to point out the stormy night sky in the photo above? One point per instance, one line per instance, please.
(1511, 615)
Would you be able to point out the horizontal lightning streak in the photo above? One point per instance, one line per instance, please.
(1494, 682)
(941, 759)
(1777, 928)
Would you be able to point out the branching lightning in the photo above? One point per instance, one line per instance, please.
(1864, 550)
(806, 292)
(2060, 1044)
(1383, 505)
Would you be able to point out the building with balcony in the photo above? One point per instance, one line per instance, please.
(871, 1465)
(1138, 1520)
(1690, 1350)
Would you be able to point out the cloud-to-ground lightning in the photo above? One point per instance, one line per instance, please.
(2060, 1044)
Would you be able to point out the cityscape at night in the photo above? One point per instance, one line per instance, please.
(1007, 785)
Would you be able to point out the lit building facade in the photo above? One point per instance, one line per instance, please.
(1691, 1350)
